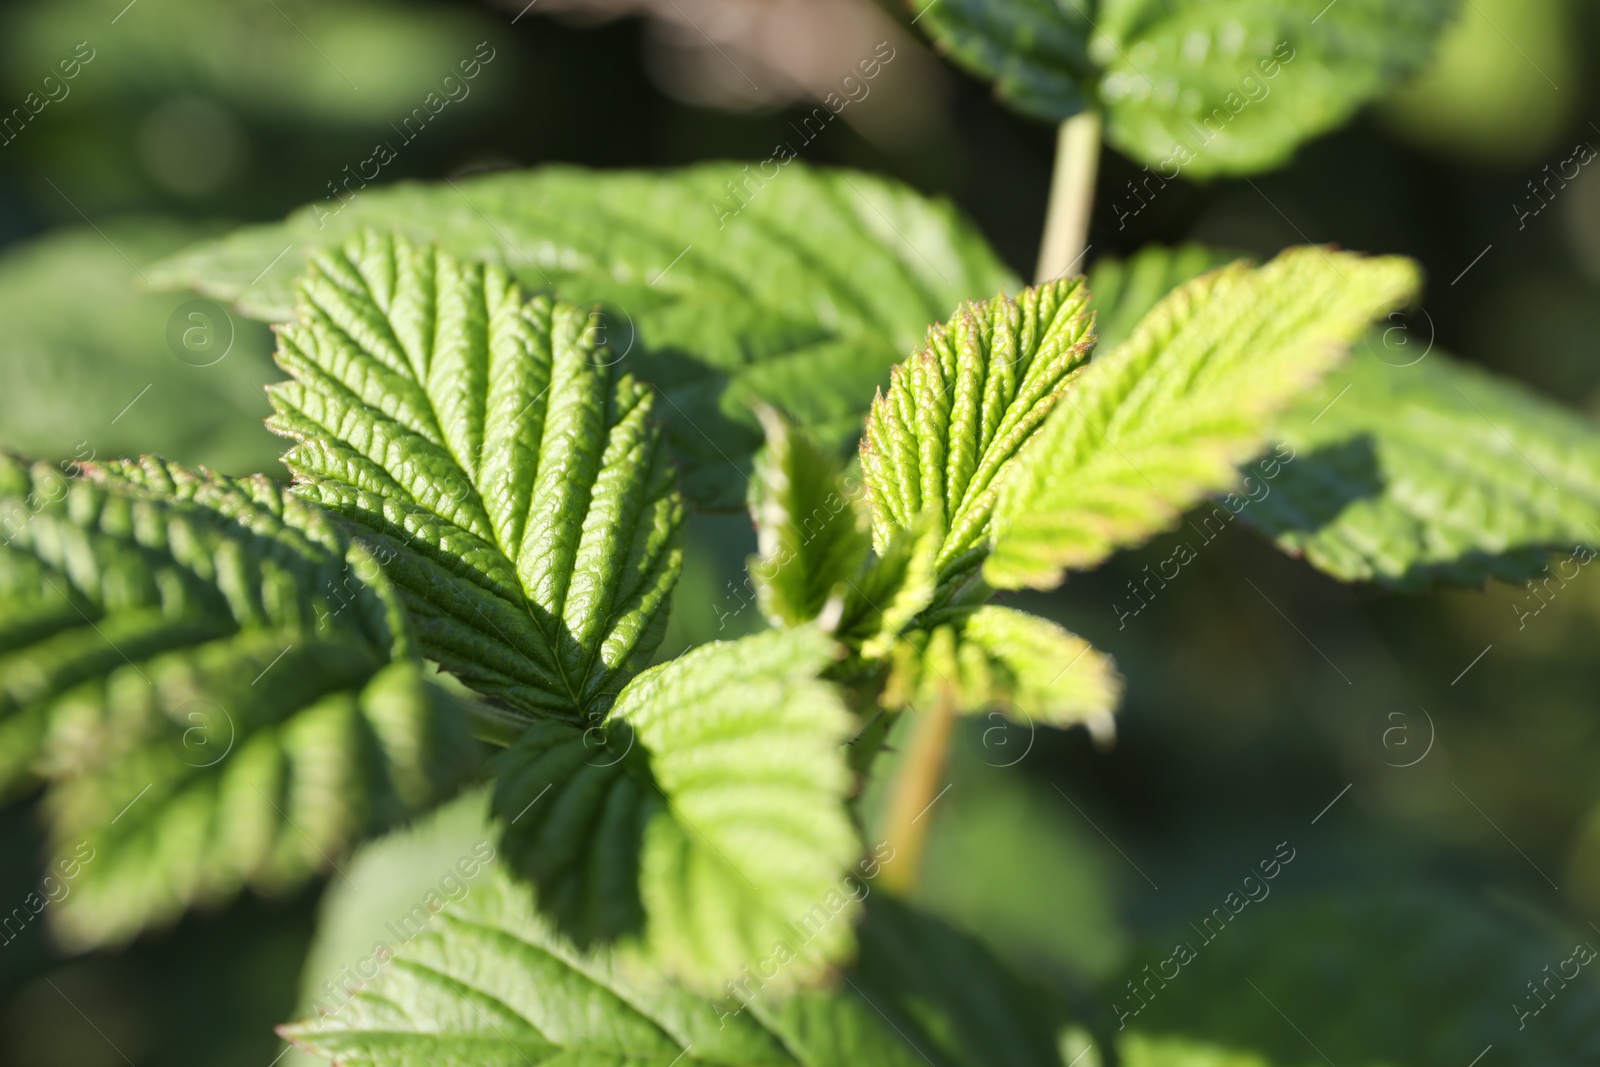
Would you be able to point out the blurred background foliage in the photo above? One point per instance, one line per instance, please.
(1455, 736)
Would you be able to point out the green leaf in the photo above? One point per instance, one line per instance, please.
(1459, 960)
(488, 984)
(811, 538)
(370, 64)
(1212, 87)
(396, 885)
(471, 976)
(141, 604)
(892, 591)
(947, 995)
(1408, 471)
(1035, 51)
(1028, 667)
(1018, 867)
(1124, 290)
(93, 365)
(1408, 465)
(708, 819)
(1140, 1050)
(958, 412)
(800, 287)
(491, 446)
(1200, 87)
(1155, 426)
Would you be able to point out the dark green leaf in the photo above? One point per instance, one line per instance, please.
(355, 61)
(798, 286)
(1404, 472)
(1456, 971)
(141, 606)
(1197, 87)
(1035, 51)
(93, 365)
(1211, 87)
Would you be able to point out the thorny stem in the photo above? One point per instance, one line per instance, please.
(916, 787)
(1066, 224)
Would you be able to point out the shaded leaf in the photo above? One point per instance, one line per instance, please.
(141, 605)
(892, 590)
(811, 538)
(487, 444)
(1407, 472)
(1460, 964)
(948, 997)
(1155, 426)
(800, 288)
(372, 60)
(707, 818)
(143, 372)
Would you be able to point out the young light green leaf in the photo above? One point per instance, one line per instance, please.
(1407, 470)
(1407, 465)
(1200, 87)
(490, 445)
(958, 412)
(1124, 290)
(142, 604)
(1021, 664)
(892, 590)
(799, 286)
(1158, 424)
(812, 539)
(709, 818)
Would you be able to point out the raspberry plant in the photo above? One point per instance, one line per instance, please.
(501, 412)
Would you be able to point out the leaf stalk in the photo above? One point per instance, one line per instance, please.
(916, 789)
(496, 726)
(1066, 224)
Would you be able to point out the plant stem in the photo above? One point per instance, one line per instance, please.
(1066, 223)
(497, 726)
(915, 789)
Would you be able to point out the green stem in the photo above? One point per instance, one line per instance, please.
(916, 787)
(1066, 223)
(497, 726)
